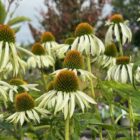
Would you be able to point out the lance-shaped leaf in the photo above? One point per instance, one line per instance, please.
(18, 20)
(3, 13)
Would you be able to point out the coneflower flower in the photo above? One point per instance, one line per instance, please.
(64, 48)
(40, 59)
(65, 95)
(74, 62)
(121, 71)
(118, 30)
(86, 42)
(109, 57)
(48, 41)
(8, 52)
(26, 110)
(15, 86)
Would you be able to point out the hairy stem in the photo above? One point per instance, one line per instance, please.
(91, 81)
(131, 117)
(67, 129)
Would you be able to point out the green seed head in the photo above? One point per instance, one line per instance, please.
(116, 18)
(73, 60)
(66, 81)
(38, 49)
(83, 29)
(122, 60)
(47, 36)
(24, 102)
(69, 41)
(111, 50)
(17, 82)
(50, 86)
(7, 34)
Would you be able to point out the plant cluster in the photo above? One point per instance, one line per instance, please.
(69, 97)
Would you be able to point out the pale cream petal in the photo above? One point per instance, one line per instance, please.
(124, 75)
(75, 44)
(72, 104)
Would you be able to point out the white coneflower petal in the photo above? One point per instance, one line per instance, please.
(129, 68)
(124, 75)
(108, 37)
(59, 101)
(80, 102)
(3, 93)
(72, 104)
(116, 31)
(89, 99)
(36, 116)
(66, 109)
(5, 57)
(11, 95)
(22, 116)
(75, 44)
(87, 48)
(117, 73)
(100, 45)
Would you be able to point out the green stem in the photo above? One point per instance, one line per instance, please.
(91, 81)
(41, 127)
(100, 134)
(67, 129)
(44, 80)
(112, 113)
(21, 133)
(120, 48)
(131, 117)
(112, 119)
(137, 133)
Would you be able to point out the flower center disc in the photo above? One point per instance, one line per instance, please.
(116, 18)
(83, 29)
(111, 50)
(24, 102)
(7, 34)
(73, 60)
(66, 81)
(122, 60)
(38, 49)
(69, 41)
(47, 36)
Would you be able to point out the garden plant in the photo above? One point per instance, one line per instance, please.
(83, 87)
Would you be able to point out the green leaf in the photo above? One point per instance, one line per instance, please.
(18, 20)
(3, 13)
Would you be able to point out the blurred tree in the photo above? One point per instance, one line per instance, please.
(62, 16)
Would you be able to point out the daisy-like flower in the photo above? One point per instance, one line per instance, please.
(118, 30)
(109, 57)
(26, 110)
(86, 42)
(15, 86)
(65, 95)
(8, 52)
(74, 62)
(121, 71)
(40, 59)
(48, 41)
(64, 48)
